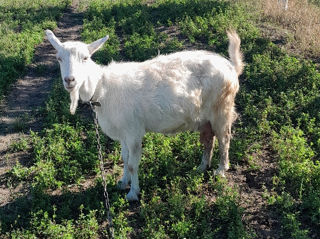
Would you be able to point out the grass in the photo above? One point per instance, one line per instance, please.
(279, 107)
(21, 29)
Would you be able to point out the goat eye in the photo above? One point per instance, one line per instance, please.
(85, 58)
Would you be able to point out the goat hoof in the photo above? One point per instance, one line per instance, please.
(202, 168)
(219, 172)
(122, 185)
(132, 196)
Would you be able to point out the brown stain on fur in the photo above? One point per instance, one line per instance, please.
(226, 98)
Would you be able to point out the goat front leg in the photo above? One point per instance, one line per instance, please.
(133, 166)
(123, 183)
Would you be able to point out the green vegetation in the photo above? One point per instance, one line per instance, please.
(279, 107)
(316, 2)
(21, 29)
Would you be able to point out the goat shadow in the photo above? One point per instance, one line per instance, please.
(65, 206)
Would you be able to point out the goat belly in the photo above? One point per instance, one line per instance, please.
(171, 126)
(180, 128)
(173, 129)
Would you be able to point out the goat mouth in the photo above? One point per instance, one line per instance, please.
(69, 88)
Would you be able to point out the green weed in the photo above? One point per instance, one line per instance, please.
(21, 29)
(44, 225)
(20, 145)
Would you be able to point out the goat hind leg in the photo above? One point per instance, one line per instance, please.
(224, 144)
(207, 138)
(124, 181)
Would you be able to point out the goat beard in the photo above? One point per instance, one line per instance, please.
(74, 97)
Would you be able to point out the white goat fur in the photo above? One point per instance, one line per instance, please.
(188, 90)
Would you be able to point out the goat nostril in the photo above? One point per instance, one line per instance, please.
(69, 79)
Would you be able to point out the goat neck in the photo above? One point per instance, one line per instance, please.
(88, 89)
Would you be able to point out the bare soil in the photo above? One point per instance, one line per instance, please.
(20, 110)
(253, 184)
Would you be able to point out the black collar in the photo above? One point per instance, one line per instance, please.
(94, 102)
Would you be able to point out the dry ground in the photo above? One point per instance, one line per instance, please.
(296, 29)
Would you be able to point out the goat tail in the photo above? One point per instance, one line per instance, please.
(235, 52)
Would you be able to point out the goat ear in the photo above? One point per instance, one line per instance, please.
(53, 40)
(96, 45)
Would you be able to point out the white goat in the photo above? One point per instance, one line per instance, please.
(188, 90)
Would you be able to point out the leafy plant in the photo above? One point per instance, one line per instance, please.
(21, 28)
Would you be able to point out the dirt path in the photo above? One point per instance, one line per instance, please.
(19, 111)
(252, 184)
